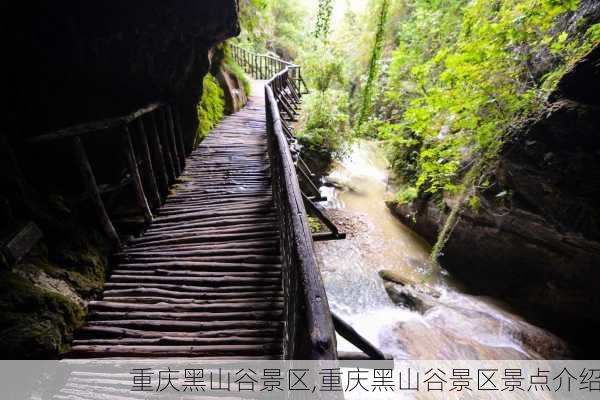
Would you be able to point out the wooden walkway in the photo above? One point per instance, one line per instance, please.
(205, 278)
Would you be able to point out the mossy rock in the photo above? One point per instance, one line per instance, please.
(34, 323)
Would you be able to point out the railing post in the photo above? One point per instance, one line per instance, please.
(176, 138)
(91, 188)
(135, 175)
(147, 167)
(166, 146)
(171, 138)
(158, 156)
(179, 128)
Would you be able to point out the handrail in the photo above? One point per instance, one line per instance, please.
(153, 149)
(265, 66)
(95, 126)
(309, 328)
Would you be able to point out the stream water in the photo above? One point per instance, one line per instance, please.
(458, 326)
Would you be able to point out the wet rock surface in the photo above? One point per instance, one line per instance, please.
(493, 324)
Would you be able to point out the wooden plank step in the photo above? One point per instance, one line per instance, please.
(213, 316)
(179, 341)
(175, 326)
(96, 331)
(173, 351)
(171, 300)
(178, 294)
(184, 307)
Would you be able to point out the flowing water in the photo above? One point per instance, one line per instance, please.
(458, 326)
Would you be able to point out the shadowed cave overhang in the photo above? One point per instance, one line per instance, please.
(76, 61)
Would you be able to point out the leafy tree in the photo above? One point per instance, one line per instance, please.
(323, 23)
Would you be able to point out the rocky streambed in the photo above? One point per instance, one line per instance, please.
(381, 281)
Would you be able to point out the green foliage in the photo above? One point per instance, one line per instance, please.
(323, 24)
(407, 195)
(474, 203)
(373, 70)
(253, 17)
(323, 67)
(278, 26)
(324, 127)
(461, 74)
(211, 107)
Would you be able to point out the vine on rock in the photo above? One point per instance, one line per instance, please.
(373, 72)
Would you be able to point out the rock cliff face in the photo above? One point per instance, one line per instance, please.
(96, 59)
(534, 240)
(70, 62)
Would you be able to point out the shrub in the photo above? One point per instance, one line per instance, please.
(407, 195)
(324, 126)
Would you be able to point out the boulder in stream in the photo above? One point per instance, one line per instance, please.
(406, 293)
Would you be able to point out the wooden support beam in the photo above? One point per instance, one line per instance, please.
(317, 198)
(289, 106)
(132, 165)
(158, 159)
(287, 130)
(91, 188)
(164, 142)
(306, 168)
(323, 218)
(177, 143)
(170, 132)
(148, 173)
(179, 128)
(309, 182)
(348, 333)
(286, 108)
(323, 236)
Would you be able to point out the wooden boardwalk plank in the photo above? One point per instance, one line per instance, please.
(205, 278)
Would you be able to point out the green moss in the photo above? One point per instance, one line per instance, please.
(226, 59)
(474, 203)
(211, 108)
(34, 323)
(237, 71)
(314, 224)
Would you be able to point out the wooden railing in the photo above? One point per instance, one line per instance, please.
(309, 329)
(265, 66)
(152, 147)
